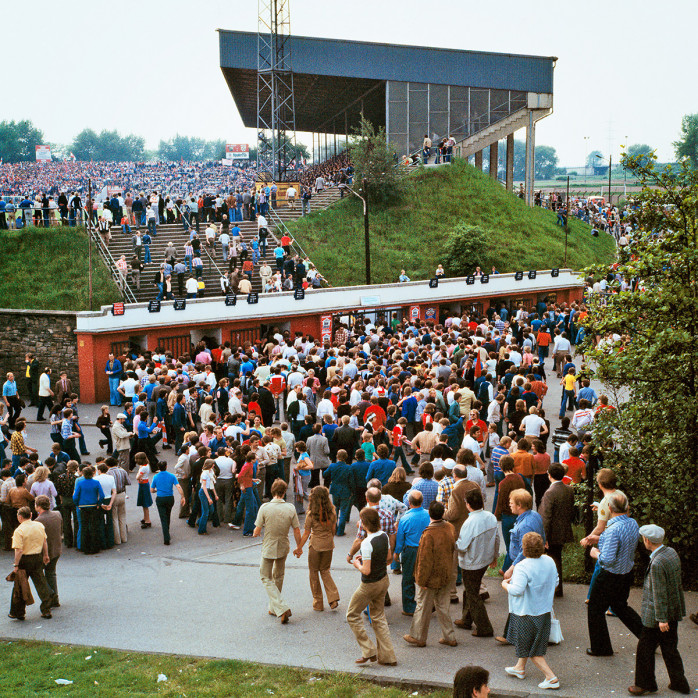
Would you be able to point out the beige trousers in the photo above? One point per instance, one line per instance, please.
(426, 599)
(371, 594)
(119, 518)
(272, 573)
(319, 562)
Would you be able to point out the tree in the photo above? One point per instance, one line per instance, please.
(466, 248)
(546, 162)
(108, 146)
(687, 145)
(374, 159)
(640, 150)
(593, 158)
(651, 439)
(191, 149)
(18, 140)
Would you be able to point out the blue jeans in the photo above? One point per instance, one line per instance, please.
(248, 502)
(568, 398)
(408, 558)
(263, 246)
(400, 453)
(146, 254)
(498, 477)
(255, 256)
(238, 213)
(208, 511)
(187, 261)
(126, 228)
(342, 503)
(151, 226)
(508, 521)
(114, 397)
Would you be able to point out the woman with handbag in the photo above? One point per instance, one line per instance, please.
(531, 590)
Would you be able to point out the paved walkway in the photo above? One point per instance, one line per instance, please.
(202, 596)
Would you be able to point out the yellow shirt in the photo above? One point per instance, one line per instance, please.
(569, 380)
(29, 537)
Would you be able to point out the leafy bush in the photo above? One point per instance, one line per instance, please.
(466, 248)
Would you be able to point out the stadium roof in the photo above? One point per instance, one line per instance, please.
(331, 75)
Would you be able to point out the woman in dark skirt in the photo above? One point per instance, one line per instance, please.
(145, 499)
(531, 590)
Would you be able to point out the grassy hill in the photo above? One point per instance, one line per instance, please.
(410, 234)
(47, 269)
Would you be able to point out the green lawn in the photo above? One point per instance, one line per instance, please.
(410, 233)
(31, 669)
(46, 269)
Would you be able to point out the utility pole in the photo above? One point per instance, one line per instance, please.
(89, 240)
(367, 242)
(610, 165)
(567, 219)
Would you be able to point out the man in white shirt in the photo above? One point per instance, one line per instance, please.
(192, 287)
(533, 425)
(224, 486)
(224, 239)
(108, 483)
(291, 197)
(45, 394)
(561, 347)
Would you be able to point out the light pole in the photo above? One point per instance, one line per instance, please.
(610, 164)
(625, 173)
(586, 138)
(367, 240)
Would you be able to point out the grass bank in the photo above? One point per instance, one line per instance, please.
(410, 234)
(31, 669)
(47, 269)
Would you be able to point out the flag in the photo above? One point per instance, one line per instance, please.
(72, 157)
(478, 365)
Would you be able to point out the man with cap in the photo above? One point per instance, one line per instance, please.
(121, 437)
(663, 607)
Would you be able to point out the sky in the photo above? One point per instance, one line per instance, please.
(152, 68)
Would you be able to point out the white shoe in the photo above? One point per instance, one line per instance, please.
(550, 683)
(513, 671)
(234, 527)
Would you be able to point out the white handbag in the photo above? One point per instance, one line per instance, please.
(555, 630)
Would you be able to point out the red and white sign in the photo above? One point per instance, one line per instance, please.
(414, 312)
(43, 153)
(326, 328)
(237, 151)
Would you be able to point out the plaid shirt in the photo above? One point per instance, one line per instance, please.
(428, 488)
(17, 444)
(387, 521)
(445, 489)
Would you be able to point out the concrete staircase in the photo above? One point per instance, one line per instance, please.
(214, 264)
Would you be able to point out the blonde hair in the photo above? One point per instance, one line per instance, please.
(521, 498)
(41, 473)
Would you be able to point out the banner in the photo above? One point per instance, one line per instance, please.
(237, 151)
(414, 313)
(43, 153)
(326, 328)
(226, 162)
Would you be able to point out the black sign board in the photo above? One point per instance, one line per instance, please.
(299, 294)
(531, 274)
(518, 276)
(554, 273)
(154, 307)
(485, 279)
(231, 299)
(434, 283)
(470, 280)
(117, 309)
(180, 304)
(253, 297)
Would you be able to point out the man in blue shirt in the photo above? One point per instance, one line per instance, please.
(382, 468)
(587, 393)
(11, 400)
(359, 471)
(527, 521)
(616, 556)
(409, 531)
(163, 485)
(425, 484)
(113, 370)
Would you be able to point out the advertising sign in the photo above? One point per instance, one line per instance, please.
(414, 312)
(43, 153)
(237, 151)
(430, 314)
(326, 328)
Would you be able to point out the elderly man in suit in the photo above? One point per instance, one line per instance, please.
(319, 451)
(663, 607)
(557, 512)
(64, 388)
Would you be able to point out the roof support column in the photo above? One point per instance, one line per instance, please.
(530, 157)
(478, 160)
(510, 163)
(494, 159)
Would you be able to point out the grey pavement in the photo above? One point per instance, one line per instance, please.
(202, 596)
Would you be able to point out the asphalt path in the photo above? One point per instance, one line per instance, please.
(202, 596)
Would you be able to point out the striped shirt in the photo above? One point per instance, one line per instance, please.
(497, 453)
(617, 544)
(67, 428)
(121, 478)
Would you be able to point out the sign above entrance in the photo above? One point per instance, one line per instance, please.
(370, 300)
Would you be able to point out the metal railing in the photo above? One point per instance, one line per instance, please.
(120, 279)
(211, 261)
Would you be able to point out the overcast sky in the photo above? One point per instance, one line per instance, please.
(625, 68)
